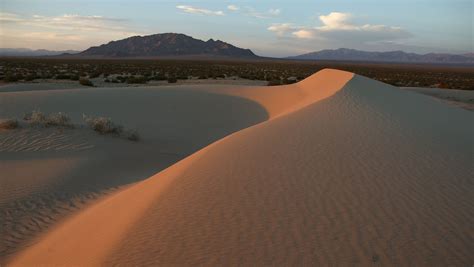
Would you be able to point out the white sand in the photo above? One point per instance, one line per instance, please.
(341, 170)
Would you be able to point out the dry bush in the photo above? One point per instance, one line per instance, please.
(35, 117)
(85, 82)
(132, 135)
(38, 118)
(58, 119)
(274, 83)
(102, 125)
(8, 124)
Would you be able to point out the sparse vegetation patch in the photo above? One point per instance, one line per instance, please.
(85, 82)
(287, 71)
(8, 124)
(105, 126)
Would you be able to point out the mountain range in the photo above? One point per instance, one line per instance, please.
(26, 52)
(345, 54)
(181, 45)
(166, 44)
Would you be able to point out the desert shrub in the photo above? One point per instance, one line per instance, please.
(35, 117)
(289, 80)
(121, 79)
(38, 118)
(58, 119)
(8, 124)
(172, 80)
(274, 82)
(136, 79)
(103, 125)
(159, 77)
(94, 75)
(75, 77)
(85, 82)
(62, 77)
(132, 135)
(30, 77)
(11, 78)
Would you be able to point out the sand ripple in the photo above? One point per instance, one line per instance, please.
(27, 140)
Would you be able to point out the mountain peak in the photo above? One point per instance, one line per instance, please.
(166, 44)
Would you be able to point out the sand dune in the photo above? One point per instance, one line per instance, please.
(341, 170)
(49, 173)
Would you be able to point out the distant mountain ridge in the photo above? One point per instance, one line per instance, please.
(26, 52)
(166, 44)
(345, 54)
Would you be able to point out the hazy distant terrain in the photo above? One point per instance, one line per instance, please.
(344, 54)
(25, 52)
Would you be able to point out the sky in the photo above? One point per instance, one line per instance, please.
(269, 28)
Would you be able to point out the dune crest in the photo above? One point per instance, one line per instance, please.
(280, 100)
(349, 180)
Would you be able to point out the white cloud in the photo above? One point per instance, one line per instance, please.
(68, 31)
(9, 17)
(77, 22)
(199, 11)
(338, 27)
(272, 12)
(233, 8)
(281, 28)
(336, 21)
(304, 34)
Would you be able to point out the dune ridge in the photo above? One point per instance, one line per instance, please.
(336, 176)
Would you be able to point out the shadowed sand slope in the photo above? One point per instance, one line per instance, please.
(354, 176)
(48, 173)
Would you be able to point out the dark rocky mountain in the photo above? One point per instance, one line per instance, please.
(26, 52)
(345, 54)
(166, 44)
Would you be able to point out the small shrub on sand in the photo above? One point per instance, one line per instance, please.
(38, 118)
(58, 119)
(136, 80)
(8, 124)
(35, 117)
(85, 82)
(172, 80)
(103, 125)
(274, 83)
(132, 135)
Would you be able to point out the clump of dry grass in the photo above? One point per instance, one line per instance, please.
(132, 135)
(102, 125)
(85, 82)
(38, 118)
(58, 119)
(8, 124)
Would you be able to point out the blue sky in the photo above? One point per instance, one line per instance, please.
(269, 28)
